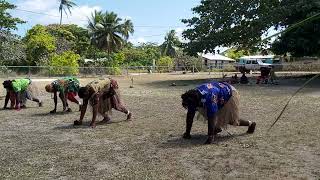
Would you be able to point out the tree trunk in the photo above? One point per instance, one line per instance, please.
(60, 16)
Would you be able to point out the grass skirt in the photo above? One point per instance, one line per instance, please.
(105, 105)
(229, 114)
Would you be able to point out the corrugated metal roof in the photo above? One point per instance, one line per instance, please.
(216, 57)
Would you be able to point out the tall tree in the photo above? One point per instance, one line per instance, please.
(305, 39)
(40, 45)
(241, 23)
(170, 44)
(108, 31)
(12, 50)
(229, 23)
(7, 22)
(64, 6)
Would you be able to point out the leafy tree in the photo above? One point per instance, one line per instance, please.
(108, 31)
(143, 55)
(187, 62)
(57, 30)
(65, 64)
(135, 57)
(236, 53)
(229, 23)
(165, 63)
(119, 57)
(303, 40)
(40, 45)
(82, 39)
(171, 43)
(12, 50)
(64, 39)
(7, 22)
(65, 4)
(241, 23)
(70, 37)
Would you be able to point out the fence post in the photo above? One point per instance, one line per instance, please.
(192, 69)
(127, 68)
(29, 73)
(222, 73)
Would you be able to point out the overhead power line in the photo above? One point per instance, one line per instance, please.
(56, 16)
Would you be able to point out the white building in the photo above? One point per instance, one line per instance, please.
(216, 60)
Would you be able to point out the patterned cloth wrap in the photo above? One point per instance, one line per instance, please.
(66, 85)
(214, 96)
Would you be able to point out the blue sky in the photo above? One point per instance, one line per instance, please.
(152, 18)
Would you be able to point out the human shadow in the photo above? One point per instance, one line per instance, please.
(286, 81)
(61, 113)
(177, 83)
(198, 140)
(86, 125)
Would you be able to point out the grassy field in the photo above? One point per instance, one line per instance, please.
(36, 145)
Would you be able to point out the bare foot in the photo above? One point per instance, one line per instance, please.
(77, 123)
(92, 125)
(129, 117)
(105, 121)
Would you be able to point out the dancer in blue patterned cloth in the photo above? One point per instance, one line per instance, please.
(218, 102)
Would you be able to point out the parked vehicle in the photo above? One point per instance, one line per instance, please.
(254, 63)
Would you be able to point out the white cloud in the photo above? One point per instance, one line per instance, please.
(126, 17)
(137, 41)
(79, 14)
(37, 5)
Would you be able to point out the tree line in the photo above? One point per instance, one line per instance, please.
(239, 24)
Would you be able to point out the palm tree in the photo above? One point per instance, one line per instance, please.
(65, 4)
(170, 44)
(108, 31)
(127, 28)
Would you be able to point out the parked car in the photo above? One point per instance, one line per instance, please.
(254, 63)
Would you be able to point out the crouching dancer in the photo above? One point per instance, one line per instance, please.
(68, 88)
(218, 102)
(103, 95)
(10, 95)
(20, 90)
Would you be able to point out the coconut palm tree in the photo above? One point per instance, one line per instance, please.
(170, 44)
(127, 28)
(108, 31)
(65, 4)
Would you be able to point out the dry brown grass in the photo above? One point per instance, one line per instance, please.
(36, 145)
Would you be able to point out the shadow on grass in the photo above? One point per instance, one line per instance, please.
(86, 125)
(294, 81)
(61, 113)
(177, 83)
(197, 140)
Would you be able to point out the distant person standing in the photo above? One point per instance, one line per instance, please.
(272, 75)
